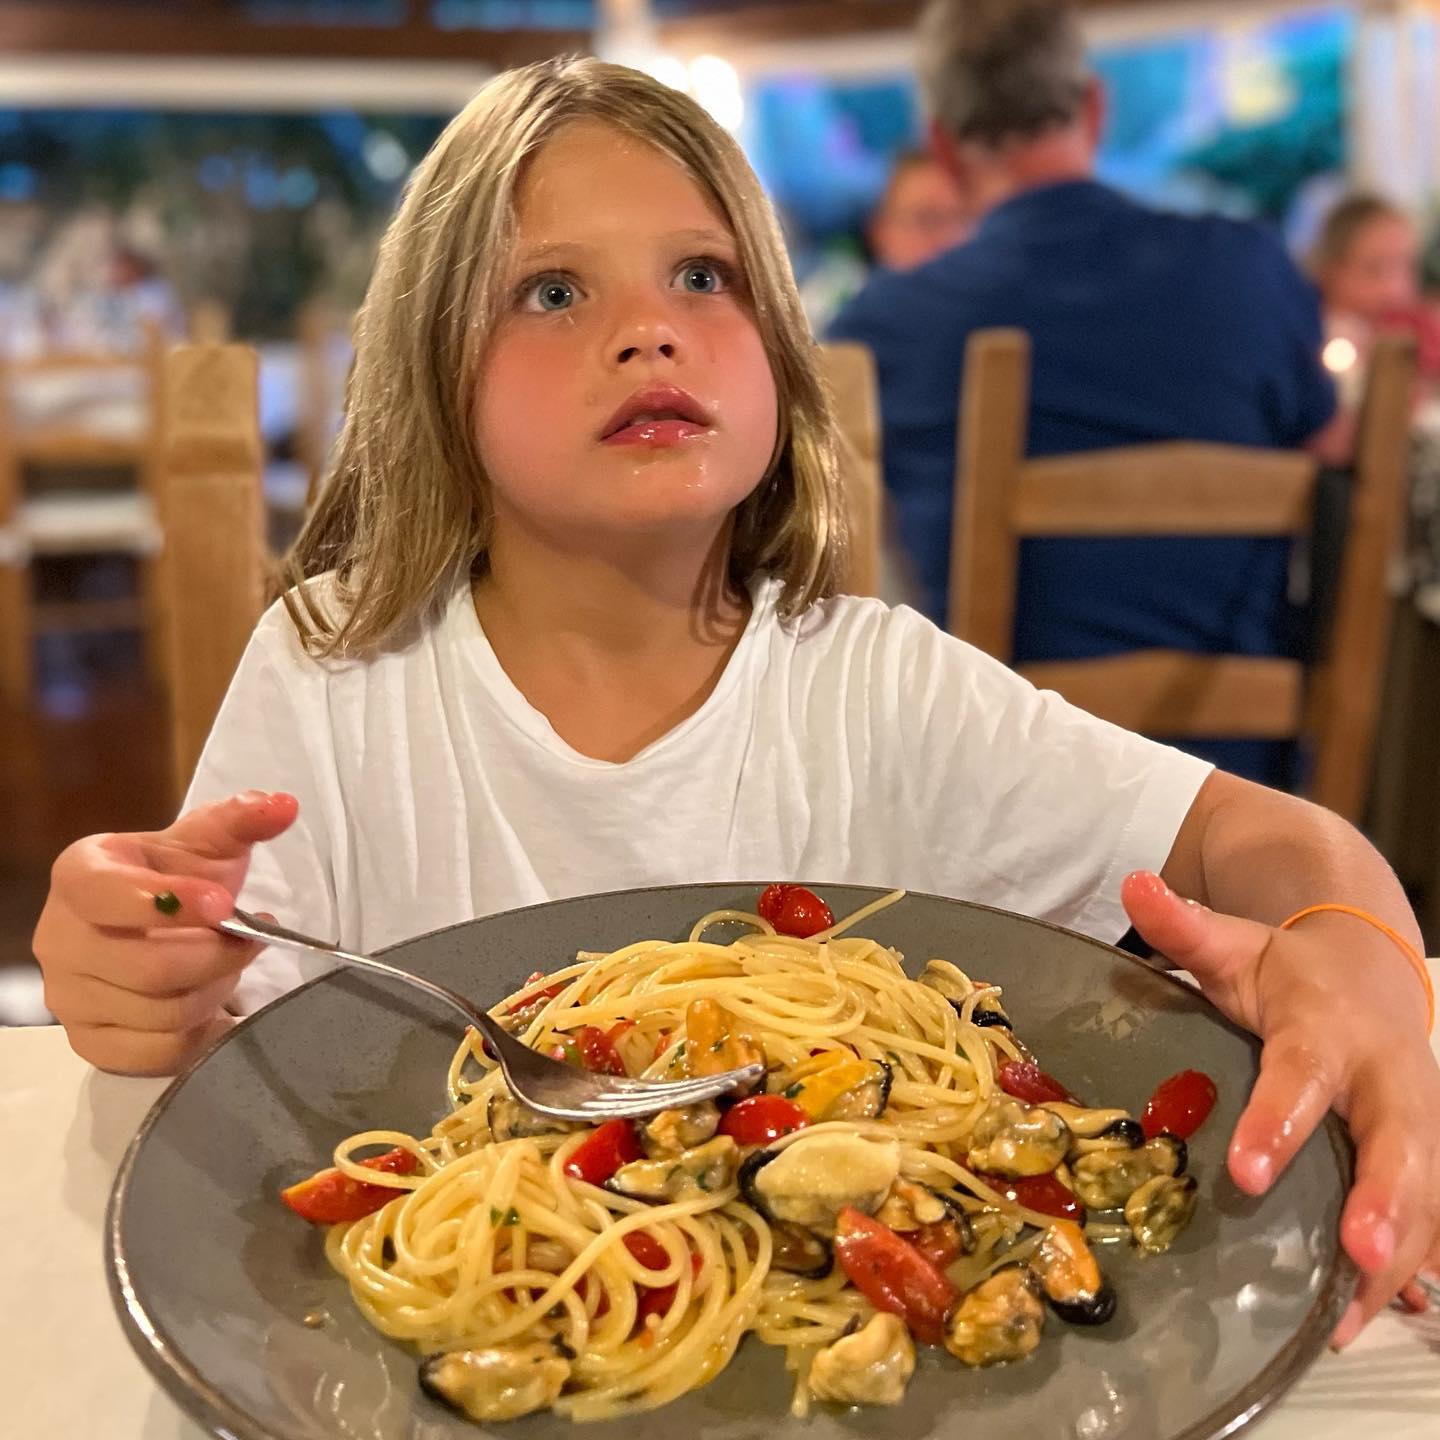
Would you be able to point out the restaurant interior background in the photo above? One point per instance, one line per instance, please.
(222, 168)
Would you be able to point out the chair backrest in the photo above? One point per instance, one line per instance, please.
(81, 408)
(849, 370)
(215, 571)
(1183, 488)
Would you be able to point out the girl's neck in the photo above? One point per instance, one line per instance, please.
(615, 651)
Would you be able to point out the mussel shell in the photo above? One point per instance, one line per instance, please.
(1093, 1309)
(1127, 1130)
(824, 1261)
(985, 1018)
(1182, 1151)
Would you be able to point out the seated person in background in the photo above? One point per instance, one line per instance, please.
(919, 216)
(1145, 327)
(1367, 265)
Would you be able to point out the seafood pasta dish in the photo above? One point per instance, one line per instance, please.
(905, 1174)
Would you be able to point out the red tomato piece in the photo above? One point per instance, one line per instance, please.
(761, 1119)
(659, 1300)
(527, 997)
(1027, 1081)
(647, 1250)
(802, 913)
(1180, 1105)
(771, 898)
(597, 1051)
(603, 1152)
(330, 1197)
(894, 1276)
(941, 1244)
(1040, 1192)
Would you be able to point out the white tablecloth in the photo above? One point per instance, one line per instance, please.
(69, 1373)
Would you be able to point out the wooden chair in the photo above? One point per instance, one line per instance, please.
(849, 370)
(76, 519)
(217, 563)
(1186, 488)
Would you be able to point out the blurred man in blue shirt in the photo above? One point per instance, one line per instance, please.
(1145, 326)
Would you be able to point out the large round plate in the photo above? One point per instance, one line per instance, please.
(213, 1277)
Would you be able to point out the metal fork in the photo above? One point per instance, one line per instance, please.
(535, 1080)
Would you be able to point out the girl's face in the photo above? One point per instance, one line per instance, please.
(626, 390)
(1379, 274)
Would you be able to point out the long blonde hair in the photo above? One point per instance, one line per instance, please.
(406, 512)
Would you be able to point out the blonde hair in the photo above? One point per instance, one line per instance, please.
(406, 512)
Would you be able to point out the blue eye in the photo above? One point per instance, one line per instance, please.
(702, 277)
(550, 294)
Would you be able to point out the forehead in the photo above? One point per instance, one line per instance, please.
(593, 179)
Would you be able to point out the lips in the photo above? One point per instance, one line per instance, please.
(657, 405)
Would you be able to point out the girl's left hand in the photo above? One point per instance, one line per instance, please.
(1342, 1017)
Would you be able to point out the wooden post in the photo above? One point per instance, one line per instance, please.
(215, 549)
(850, 370)
(1347, 686)
(984, 548)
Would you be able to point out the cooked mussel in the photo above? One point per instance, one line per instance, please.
(1070, 1276)
(812, 1179)
(673, 1131)
(943, 977)
(1160, 1209)
(503, 1382)
(798, 1252)
(1106, 1179)
(714, 1042)
(870, 1367)
(1097, 1129)
(846, 1090)
(1000, 1319)
(704, 1170)
(508, 1119)
(1015, 1139)
(909, 1206)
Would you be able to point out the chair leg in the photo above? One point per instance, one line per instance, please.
(17, 659)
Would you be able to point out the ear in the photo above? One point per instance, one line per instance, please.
(1095, 110)
(946, 150)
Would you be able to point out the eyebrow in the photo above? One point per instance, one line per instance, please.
(552, 249)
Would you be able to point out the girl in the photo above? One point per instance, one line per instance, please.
(564, 621)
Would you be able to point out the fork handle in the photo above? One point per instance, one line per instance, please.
(244, 926)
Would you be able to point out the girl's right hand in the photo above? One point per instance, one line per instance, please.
(138, 980)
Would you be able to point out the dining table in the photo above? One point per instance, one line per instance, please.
(69, 1372)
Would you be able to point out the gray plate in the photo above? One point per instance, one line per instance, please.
(212, 1276)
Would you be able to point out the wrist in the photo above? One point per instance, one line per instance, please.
(1382, 962)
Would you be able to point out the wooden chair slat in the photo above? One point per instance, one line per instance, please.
(1175, 695)
(849, 370)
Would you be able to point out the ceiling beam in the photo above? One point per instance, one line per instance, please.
(202, 28)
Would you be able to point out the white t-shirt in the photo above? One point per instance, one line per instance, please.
(858, 744)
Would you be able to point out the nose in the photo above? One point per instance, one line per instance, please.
(644, 333)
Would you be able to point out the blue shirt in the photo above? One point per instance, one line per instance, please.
(1145, 326)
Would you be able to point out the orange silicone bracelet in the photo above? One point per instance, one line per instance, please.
(1405, 947)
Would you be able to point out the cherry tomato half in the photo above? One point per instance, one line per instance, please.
(761, 1119)
(1180, 1105)
(1040, 1192)
(330, 1196)
(794, 910)
(894, 1276)
(1027, 1081)
(603, 1152)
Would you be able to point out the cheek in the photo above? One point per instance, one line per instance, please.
(515, 410)
(751, 397)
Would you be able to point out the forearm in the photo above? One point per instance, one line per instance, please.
(1245, 850)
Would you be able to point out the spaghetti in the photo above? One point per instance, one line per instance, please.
(901, 1176)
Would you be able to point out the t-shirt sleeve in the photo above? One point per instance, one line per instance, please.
(1044, 808)
(271, 734)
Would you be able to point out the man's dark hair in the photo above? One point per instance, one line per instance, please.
(993, 70)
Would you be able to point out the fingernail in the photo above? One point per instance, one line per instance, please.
(167, 902)
(1349, 1326)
